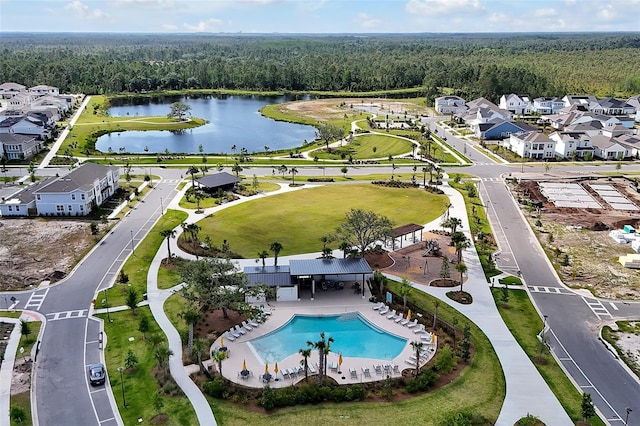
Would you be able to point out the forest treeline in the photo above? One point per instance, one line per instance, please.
(470, 65)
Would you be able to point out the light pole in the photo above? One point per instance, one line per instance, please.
(626, 420)
(106, 299)
(124, 401)
(133, 251)
(161, 207)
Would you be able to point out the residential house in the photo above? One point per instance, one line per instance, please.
(516, 104)
(634, 101)
(8, 90)
(613, 106)
(501, 129)
(591, 128)
(531, 144)
(450, 105)
(42, 90)
(585, 100)
(615, 131)
(26, 125)
(605, 120)
(547, 105)
(608, 148)
(570, 144)
(77, 192)
(631, 142)
(560, 121)
(23, 203)
(17, 146)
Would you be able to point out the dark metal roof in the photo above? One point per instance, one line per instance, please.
(82, 178)
(329, 267)
(269, 269)
(218, 179)
(405, 229)
(272, 280)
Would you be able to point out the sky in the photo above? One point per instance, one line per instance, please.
(318, 16)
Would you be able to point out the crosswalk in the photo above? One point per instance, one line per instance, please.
(597, 308)
(171, 180)
(36, 299)
(551, 290)
(80, 313)
(491, 179)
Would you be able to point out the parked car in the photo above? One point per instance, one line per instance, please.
(97, 374)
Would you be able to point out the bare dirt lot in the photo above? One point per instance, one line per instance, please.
(33, 250)
(334, 108)
(577, 240)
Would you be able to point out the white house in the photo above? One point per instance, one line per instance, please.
(608, 148)
(516, 104)
(634, 101)
(18, 147)
(585, 100)
(569, 144)
(22, 203)
(547, 105)
(531, 145)
(450, 105)
(26, 125)
(630, 142)
(43, 89)
(76, 193)
(9, 89)
(613, 106)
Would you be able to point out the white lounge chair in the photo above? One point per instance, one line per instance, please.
(228, 336)
(353, 373)
(414, 323)
(311, 368)
(396, 369)
(366, 372)
(392, 314)
(405, 321)
(399, 318)
(233, 331)
(378, 306)
(252, 323)
(378, 369)
(410, 362)
(240, 330)
(383, 310)
(246, 326)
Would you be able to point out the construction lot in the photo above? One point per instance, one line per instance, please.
(572, 217)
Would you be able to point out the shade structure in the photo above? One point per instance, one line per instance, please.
(266, 369)
(222, 341)
(244, 364)
(276, 368)
(409, 315)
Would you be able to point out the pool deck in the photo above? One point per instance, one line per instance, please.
(325, 303)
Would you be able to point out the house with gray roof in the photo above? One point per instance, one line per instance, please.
(532, 144)
(9, 89)
(23, 202)
(634, 101)
(613, 106)
(77, 192)
(607, 148)
(570, 144)
(450, 105)
(516, 104)
(16, 146)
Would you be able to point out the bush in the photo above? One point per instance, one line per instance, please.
(214, 388)
(268, 398)
(320, 179)
(445, 360)
(464, 419)
(421, 383)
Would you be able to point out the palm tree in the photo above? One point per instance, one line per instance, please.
(462, 268)
(417, 346)
(323, 345)
(275, 247)
(199, 196)
(218, 357)
(233, 148)
(424, 176)
(306, 353)
(345, 247)
(293, 172)
(199, 347)
(168, 234)
(193, 231)
(435, 314)
(460, 242)
(236, 169)
(155, 339)
(162, 355)
(192, 170)
(405, 289)
(454, 223)
(262, 256)
(191, 317)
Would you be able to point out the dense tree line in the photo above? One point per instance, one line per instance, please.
(472, 65)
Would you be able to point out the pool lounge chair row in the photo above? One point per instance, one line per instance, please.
(240, 330)
(386, 369)
(290, 373)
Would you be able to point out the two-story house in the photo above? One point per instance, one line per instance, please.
(450, 105)
(516, 104)
(570, 144)
(585, 100)
(531, 144)
(9, 89)
(26, 125)
(19, 147)
(43, 89)
(547, 105)
(76, 193)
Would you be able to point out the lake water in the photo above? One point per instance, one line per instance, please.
(233, 120)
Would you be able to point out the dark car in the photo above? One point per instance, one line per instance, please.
(97, 374)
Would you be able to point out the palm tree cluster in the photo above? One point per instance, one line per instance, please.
(323, 346)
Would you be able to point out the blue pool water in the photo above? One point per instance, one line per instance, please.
(354, 337)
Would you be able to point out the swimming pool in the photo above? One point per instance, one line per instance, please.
(354, 337)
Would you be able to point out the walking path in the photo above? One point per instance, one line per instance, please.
(526, 390)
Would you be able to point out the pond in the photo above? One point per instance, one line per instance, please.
(233, 121)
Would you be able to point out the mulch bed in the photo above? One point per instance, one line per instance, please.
(461, 297)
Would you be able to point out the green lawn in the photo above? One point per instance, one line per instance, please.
(299, 219)
(137, 266)
(23, 400)
(362, 147)
(140, 387)
(524, 323)
(480, 389)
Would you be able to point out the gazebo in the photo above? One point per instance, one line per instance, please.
(403, 231)
(218, 181)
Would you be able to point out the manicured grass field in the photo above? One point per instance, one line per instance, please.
(299, 219)
(362, 146)
(140, 387)
(480, 388)
(524, 323)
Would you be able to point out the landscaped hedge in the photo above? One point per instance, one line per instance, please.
(318, 179)
(309, 394)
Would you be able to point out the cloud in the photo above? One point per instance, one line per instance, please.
(497, 18)
(366, 21)
(211, 24)
(169, 27)
(443, 7)
(83, 11)
(544, 13)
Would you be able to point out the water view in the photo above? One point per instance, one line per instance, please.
(233, 121)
